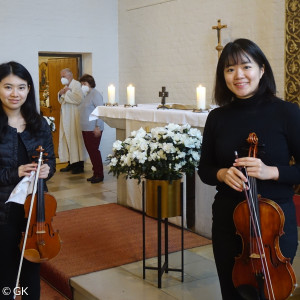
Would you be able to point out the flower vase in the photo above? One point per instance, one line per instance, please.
(170, 198)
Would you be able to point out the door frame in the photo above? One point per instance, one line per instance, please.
(64, 55)
(45, 110)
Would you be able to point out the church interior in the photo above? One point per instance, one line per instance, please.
(152, 45)
(126, 281)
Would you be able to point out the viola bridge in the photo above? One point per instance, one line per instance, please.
(256, 255)
(40, 232)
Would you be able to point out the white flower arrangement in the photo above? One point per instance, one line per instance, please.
(51, 122)
(163, 154)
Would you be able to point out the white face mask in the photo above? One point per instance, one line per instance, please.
(85, 89)
(64, 81)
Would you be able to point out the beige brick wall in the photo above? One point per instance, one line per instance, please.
(171, 43)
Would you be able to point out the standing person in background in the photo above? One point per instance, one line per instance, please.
(91, 130)
(245, 90)
(22, 130)
(70, 148)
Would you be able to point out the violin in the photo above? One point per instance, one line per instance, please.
(261, 271)
(41, 242)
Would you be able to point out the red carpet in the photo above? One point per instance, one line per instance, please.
(105, 236)
(297, 204)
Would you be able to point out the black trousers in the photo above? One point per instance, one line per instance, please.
(10, 235)
(227, 245)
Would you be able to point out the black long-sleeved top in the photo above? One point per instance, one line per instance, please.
(277, 126)
(9, 159)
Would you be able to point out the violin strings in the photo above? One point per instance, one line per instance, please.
(258, 242)
(39, 208)
(256, 228)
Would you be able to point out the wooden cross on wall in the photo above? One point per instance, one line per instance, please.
(219, 27)
(163, 94)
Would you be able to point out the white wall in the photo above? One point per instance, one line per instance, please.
(73, 26)
(173, 44)
(151, 44)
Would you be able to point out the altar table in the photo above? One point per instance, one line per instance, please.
(127, 119)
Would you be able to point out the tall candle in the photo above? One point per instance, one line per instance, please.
(130, 95)
(201, 97)
(111, 94)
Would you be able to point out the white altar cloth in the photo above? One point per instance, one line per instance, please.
(150, 113)
(127, 119)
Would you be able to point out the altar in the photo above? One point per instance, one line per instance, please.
(127, 119)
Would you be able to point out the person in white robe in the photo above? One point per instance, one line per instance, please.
(71, 146)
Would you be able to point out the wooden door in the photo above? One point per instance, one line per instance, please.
(55, 65)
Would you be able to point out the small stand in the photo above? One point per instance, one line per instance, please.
(196, 110)
(165, 267)
(129, 105)
(111, 104)
(163, 106)
(163, 94)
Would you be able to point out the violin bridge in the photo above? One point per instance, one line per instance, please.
(256, 255)
(40, 232)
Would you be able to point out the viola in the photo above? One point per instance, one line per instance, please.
(42, 242)
(261, 271)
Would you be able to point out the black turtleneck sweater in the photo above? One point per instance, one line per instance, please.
(277, 126)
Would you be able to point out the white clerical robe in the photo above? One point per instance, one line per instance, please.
(71, 146)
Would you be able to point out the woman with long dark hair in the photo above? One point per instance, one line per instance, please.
(22, 130)
(245, 91)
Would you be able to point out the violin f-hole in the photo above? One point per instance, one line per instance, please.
(272, 259)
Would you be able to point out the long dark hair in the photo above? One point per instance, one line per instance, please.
(232, 53)
(28, 109)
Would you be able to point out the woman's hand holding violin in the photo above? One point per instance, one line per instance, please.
(257, 169)
(25, 170)
(234, 178)
(44, 171)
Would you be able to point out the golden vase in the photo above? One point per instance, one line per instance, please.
(170, 198)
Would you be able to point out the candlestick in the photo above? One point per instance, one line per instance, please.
(111, 94)
(201, 95)
(130, 95)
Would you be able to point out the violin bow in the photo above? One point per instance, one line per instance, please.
(257, 231)
(29, 217)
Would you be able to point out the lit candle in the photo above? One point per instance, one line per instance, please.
(130, 95)
(201, 95)
(111, 94)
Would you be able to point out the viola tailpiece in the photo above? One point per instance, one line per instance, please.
(261, 271)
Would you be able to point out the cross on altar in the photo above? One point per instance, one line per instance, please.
(163, 94)
(219, 27)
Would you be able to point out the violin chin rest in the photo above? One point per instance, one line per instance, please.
(32, 255)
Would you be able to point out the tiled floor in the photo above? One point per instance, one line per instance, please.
(126, 282)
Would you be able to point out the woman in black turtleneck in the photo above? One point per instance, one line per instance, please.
(245, 91)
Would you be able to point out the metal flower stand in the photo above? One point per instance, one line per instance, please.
(162, 268)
